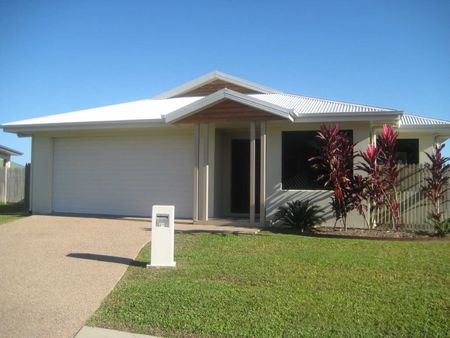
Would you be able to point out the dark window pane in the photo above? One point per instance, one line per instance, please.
(408, 151)
(297, 148)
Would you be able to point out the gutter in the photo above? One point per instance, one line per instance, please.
(28, 129)
(427, 128)
(379, 116)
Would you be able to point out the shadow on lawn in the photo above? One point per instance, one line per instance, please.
(209, 231)
(106, 258)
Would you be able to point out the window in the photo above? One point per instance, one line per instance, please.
(297, 148)
(408, 151)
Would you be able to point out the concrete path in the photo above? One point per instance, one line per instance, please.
(96, 332)
(56, 270)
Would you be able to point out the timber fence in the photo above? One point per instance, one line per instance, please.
(415, 207)
(14, 184)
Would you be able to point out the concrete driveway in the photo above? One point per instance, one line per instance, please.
(56, 270)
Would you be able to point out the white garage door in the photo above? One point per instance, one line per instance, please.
(123, 175)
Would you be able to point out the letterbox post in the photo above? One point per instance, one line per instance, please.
(163, 235)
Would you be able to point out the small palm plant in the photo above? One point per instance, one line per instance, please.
(300, 214)
(441, 226)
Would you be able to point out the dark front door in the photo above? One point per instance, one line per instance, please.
(240, 176)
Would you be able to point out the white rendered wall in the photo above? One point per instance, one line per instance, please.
(276, 196)
(41, 173)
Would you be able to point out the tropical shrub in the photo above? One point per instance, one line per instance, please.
(436, 186)
(381, 166)
(441, 227)
(299, 214)
(388, 156)
(355, 192)
(335, 165)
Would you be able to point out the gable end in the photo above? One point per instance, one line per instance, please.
(216, 85)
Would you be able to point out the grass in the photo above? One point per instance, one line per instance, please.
(12, 208)
(11, 212)
(274, 285)
(9, 218)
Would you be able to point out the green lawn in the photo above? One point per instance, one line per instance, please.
(273, 285)
(9, 218)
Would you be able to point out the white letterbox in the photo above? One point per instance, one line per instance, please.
(163, 235)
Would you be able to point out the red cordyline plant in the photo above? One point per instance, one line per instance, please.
(335, 164)
(437, 184)
(381, 166)
(374, 179)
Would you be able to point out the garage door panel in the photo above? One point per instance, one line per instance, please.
(123, 175)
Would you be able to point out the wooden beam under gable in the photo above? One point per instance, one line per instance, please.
(228, 110)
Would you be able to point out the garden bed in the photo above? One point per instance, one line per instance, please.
(374, 234)
(360, 233)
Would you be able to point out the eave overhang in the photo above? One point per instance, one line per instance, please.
(9, 152)
(28, 130)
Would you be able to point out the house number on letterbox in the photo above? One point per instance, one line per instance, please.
(162, 221)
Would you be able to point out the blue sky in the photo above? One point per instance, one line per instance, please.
(59, 56)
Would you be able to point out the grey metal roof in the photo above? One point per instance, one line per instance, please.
(301, 108)
(409, 120)
(312, 105)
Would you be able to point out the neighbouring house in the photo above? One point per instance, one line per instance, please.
(5, 155)
(216, 147)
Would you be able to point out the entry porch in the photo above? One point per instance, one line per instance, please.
(229, 174)
(230, 154)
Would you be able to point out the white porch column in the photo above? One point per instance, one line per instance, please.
(438, 139)
(196, 165)
(373, 134)
(252, 171)
(262, 184)
(205, 172)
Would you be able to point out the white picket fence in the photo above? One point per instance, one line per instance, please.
(414, 206)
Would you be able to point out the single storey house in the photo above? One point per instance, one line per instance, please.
(5, 155)
(216, 147)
